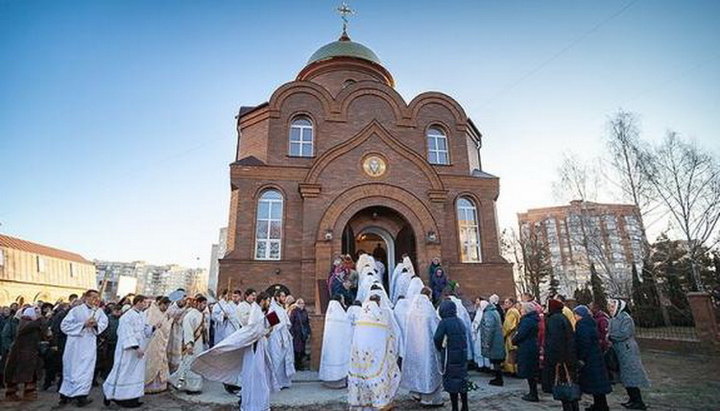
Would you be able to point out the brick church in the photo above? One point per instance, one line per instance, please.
(337, 162)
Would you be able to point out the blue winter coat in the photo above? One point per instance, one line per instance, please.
(528, 353)
(451, 330)
(492, 338)
(593, 374)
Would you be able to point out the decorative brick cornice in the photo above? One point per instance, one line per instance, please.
(437, 196)
(308, 190)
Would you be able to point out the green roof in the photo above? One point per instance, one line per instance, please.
(344, 48)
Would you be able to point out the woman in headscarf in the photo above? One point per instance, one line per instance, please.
(451, 341)
(438, 282)
(528, 353)
(593, 377)
(560, 353)
(622, 336)
(24, 363)
(336, 278)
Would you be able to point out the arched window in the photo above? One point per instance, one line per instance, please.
(301, 137)
(437, 146)
(469, 230)
(268, 226)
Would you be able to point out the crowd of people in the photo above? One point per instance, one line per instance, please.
(424, 339)
(142, 345)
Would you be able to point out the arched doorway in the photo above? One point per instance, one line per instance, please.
(383, 233)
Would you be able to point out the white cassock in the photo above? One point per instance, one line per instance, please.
(194, 328)
(126, 380)
(243, 358)
(227, 320)
(387, 309)
(80, 349)
(477, 337)
(335, 356)
(280, 344)
(175, 340)
(463, 315)
(353, 313)
(421, 365)
(157, 372)
(374, 376)
(416, 285)
(243, 310)
(400, 311)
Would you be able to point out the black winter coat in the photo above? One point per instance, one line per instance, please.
(455, 350)
(559, 349)
(528, 353)
(593, 374)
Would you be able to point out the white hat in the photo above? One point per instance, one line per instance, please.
(30, 312)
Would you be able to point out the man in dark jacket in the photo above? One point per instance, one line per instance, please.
(593, 374)
(528, 353)
(300, 331)
(559, 350)
(450, 337)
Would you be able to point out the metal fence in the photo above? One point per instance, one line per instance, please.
(673, 333)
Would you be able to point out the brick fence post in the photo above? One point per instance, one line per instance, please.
(704, 316)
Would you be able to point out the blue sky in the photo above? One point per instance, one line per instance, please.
(116, 117)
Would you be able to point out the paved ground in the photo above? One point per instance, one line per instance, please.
(680, 382)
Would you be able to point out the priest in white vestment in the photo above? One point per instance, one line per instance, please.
(126, 382)
(177, 312)
(374, 376)
(157, 372)
(481, 361)
(402, 275)
(400, 312)
(243, 356)
(335, 356)
(226, 316)
(421, 373)
(81, 325)
(416, 285)
(195, 339)
(280, 344)
(245, 306)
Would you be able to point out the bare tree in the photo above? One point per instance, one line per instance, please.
(577, 179)
(687, 181)
(625, 156)
(535, 256)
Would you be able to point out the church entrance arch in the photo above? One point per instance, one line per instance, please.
(378, 229)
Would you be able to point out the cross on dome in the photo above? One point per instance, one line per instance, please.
(344, 11)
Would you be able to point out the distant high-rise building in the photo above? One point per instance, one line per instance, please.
(217, 252)
(150, 280)
(607, 235)
(31, 272)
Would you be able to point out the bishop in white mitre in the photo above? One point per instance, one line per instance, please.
(243, 357)
(126, 382)
(421, 373)
(335, 355)
(82, 324)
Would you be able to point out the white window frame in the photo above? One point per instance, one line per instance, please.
(302, 129)
(466, 225)
(434, 135)
(266, 240)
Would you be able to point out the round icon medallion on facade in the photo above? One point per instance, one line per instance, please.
(374, 165)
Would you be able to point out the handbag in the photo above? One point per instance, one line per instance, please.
(566, 391)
